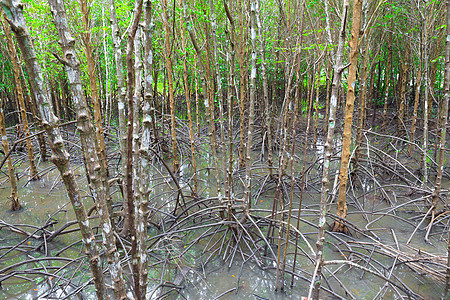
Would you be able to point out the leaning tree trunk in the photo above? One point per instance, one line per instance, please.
(348, 119)
(32, 105)
(338, 68)
(94, 167)
(23, 114)
(93, 84)
(60, 157)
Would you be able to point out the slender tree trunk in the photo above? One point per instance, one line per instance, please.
(15, 203)
(60, 157)
(129, 176)
(65, 103)
(338, 68)
(316, 105)
(37, 119)
(242, 73)
(327, 103)
(291, 159)
(402, 100)
(208, 100)
(187, 94)
(219, 92)
(231, 61)
(376, 96)
(267, 107)
(121, 108)
(136, 121)
(108, 100)
(210, 115)
(23, 114)
(251, 116)
(416, 103)
(348, 119)
(370, 97)
(361, 109)
(286, 113)
(197, 95)
(425, 106)
(386, 86)
(444, 122)
(145, 169)
(169, 62)
(55, 95)
(93, 85)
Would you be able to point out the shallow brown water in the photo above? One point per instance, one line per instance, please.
(217, 277)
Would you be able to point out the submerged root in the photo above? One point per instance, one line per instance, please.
(15, 204)
(340, 227)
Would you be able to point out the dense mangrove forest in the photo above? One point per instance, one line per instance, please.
(216, 149)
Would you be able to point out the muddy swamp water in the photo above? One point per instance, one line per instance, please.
(207, 149)
(196, 255)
